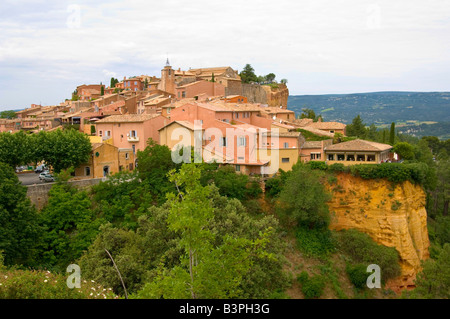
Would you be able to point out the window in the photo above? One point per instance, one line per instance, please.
(315, 156)
(87, 171)
(331, 131)
(331, 157)
(100, 133)
(360, 158)
(286, 145)
(168, 109)
(350, 157)
(285, 160)
(183, 94)
(223, 141)
(242, 141)
(341, 157)
(135, 82)
(371, 158)
(238, 168)
(127, 156)
(133, 134)
(134, 148)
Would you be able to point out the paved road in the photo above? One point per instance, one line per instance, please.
(29, 178)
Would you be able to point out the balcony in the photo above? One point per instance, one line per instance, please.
(133, 139)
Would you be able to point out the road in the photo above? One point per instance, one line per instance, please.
(29, 178)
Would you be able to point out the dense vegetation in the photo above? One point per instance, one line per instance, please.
(60, 149)
(203, 231)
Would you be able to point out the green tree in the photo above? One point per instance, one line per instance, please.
(69, 226)
(248, 74)
(404, 150)
(102, 89)
(75, 96)
(62, 149)
(261, 79)
(230, 183)
(125, 246)
(270, 77)
(357, 128)
(19, 225)
(8, 115)
(206, 270)
(372, 133)
(434, 280)
(392, 134)
(309, 114)
(122, 198)
(154, 163)
(213, 78)
(15, 148)
(304, 197)
(284, 81)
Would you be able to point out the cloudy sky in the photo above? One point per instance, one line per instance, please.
(47, 48)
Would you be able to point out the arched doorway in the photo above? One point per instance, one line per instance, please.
(105, 171)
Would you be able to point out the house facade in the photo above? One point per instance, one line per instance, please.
(357, 152)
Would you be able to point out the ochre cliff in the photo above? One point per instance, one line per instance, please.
(393, 216)
(277, 96)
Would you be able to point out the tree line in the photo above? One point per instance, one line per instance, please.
(60, 149)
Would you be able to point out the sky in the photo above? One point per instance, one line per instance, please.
(48, 48)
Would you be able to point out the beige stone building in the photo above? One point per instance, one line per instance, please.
(357, 152)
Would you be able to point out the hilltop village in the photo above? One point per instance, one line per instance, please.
(246, 125)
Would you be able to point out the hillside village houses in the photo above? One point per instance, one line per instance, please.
(209, 109)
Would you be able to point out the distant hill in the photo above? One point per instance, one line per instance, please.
(407, 108)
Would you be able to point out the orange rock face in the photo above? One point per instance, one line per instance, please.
(277, 97)
(391, 216)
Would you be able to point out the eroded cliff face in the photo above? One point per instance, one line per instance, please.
(278, 96)
(392, 216)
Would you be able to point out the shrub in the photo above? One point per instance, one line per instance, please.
(315, 242)
(312, 287)
(363, 250)
(318, 165)
(394, 172)
(358, 274)
(337, 167)
(26, 284)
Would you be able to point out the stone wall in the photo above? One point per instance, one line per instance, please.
(38, 193)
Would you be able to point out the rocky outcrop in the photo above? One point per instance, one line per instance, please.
(393, 216)
(265, 94)
(277, 96)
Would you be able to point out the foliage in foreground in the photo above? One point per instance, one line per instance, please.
(33, 284)
(361, 249)
(433, 282)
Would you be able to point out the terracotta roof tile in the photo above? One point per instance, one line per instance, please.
(127, 118)
(359, 145)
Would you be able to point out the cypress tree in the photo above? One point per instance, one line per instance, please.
(392, 134)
